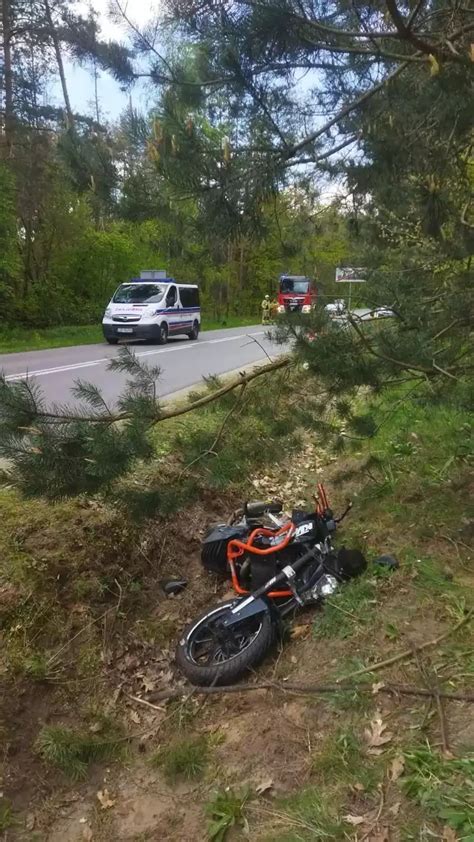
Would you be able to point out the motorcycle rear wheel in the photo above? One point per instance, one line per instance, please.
(206, 661)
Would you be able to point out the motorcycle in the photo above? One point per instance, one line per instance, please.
(277, 564)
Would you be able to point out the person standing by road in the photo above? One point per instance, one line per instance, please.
(266, 310)
(273, 310)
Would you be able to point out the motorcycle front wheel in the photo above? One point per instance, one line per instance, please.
(208, 655)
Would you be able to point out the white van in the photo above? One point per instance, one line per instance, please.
(152, 307)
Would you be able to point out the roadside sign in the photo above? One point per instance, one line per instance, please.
(351, 275)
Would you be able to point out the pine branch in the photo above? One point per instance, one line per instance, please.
(91, 394)
(160, 415)
(406, 33)
(297, 147)
(429, 370)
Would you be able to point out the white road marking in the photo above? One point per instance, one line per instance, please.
(42, 372)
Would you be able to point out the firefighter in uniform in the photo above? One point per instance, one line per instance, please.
(266, 310)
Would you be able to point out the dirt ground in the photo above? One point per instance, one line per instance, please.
(263, 740)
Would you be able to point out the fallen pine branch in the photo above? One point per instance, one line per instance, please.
(242, 379)
(308, 690)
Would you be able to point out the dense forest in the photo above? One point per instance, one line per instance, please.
(259, 108)
(86, 204)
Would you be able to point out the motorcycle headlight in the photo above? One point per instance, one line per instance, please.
(306, 308)
(326, 585)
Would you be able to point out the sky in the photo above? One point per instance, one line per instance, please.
(81, 83)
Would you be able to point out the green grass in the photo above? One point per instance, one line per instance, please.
(73, 751)
(443, 788)
(34, 339)
(348, 610)
(186, 758)
(6, 815)
(307, 816)
(341, 761)
(225, 810)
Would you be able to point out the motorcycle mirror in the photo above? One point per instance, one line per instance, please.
(172, 587)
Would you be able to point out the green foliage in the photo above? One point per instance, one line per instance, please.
(73, 751)
(8, 236)
(225, 810)
(185, 758)
(6, 815)
(442, 787)
(309, 815)
(341, 759)
(82, 454)
(347, 611)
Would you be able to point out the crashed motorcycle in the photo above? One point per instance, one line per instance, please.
(277, 564)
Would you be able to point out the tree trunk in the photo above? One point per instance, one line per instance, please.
(96, 93)
(241, 265)
(8, 74)
(59, 60)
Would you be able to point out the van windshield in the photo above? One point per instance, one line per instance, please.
(298, 285)
(139, 294)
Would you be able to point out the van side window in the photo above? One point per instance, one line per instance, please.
(189, 296)
(171, 297)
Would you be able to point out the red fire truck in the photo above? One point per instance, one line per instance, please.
(296, 293)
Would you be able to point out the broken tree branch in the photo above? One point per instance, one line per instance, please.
(242, 379)
(309, 690)
(431, 682)
(408, 653)
(211, 451)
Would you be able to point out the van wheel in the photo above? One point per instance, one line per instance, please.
(195, 331)
(163, 334)
(111, 341)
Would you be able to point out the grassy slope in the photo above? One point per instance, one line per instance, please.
(410, 491)
(33, 339)
(410, 486)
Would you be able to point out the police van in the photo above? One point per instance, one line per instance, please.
(154, 307)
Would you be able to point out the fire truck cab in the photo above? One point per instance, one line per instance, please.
(296, 293)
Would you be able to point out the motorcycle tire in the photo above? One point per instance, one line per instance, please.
(258, 635)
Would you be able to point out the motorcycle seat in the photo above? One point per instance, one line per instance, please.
(259, 508)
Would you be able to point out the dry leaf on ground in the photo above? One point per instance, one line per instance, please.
(30, 821)
(395, 808)
(376, 688)
(449, 835)
(105, 800)
(298, 632)
(397, 767)
(354, 820)
(377, 736)
(381, 835)
(264, 785)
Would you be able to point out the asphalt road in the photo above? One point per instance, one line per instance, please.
(182, 361)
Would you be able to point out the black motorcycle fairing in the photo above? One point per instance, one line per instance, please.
(246, 608)
(311, 526)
